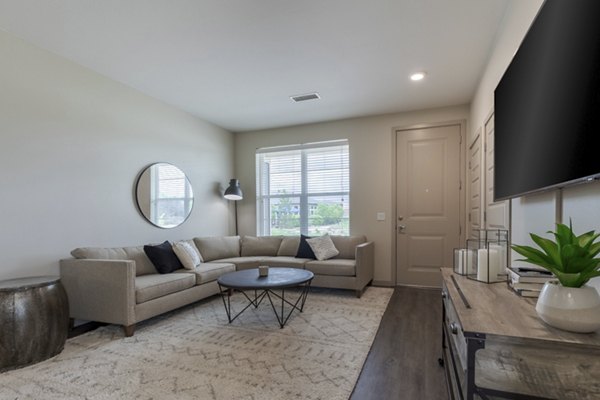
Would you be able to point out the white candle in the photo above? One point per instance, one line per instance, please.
(502, 255)
(469, 266)
(494, 264)
(482, 265)
(461, 261)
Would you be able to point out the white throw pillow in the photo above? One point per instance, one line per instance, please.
(188, 254)
(323, 247)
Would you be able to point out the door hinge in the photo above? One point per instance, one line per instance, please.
(485, 216)
(459, 185)
(459, 230)
(460, 139)
(469, 217)
(469, 164)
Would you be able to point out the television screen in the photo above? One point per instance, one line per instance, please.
(547, 104)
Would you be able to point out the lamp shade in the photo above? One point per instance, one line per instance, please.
(234, 192)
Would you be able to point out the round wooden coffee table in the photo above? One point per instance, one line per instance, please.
(278, 280)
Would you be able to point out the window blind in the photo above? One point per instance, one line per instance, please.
(172, 198)
(303, 189)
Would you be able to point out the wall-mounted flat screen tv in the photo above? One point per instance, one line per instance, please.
(547, 104)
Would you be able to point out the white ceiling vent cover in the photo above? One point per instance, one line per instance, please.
(305, 97)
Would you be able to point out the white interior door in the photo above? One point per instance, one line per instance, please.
(428, 203)
(497, 214)
(475, 215)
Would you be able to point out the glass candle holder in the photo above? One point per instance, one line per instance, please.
(489, 253)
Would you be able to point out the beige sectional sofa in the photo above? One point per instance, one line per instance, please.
(121, 285)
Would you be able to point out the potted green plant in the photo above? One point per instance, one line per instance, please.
(567, 303)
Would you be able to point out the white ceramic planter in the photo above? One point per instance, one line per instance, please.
(570, 309)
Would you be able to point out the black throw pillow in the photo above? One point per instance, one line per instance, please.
(304, 250)
(163, 257)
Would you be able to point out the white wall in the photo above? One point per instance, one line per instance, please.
(371, 167)
(534, 213)
(72, 144)
(581, 204)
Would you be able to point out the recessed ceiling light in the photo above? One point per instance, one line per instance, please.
(417, 76)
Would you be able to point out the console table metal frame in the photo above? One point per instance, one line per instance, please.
(477, 316)
(475, 342)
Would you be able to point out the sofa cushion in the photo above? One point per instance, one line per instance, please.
(243, 262)
(290, 262)
(346, 245)
(289, 246)
(260, 246)
(323, 247)
(143, 265)
(188, 253)
(208, 272)
(148, 287)
(163, 257)
(332, 267)
(304, 250)
(217, 247)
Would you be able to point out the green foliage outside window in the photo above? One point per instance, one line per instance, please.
(326, 218)
(328, 214)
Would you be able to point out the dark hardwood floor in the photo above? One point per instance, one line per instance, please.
(403, 361)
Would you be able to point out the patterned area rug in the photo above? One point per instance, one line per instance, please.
(193, 353)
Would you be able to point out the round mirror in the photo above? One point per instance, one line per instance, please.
(164, 195)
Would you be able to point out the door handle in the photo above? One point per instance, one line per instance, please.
(454, 328)
(401, 228)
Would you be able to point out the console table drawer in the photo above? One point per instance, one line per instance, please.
(455, 331)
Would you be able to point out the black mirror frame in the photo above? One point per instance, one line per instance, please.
(137, 200)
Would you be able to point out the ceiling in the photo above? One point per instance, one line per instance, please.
(236, 62)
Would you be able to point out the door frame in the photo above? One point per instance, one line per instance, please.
(462, 123)
(489, 116)
(477, 135)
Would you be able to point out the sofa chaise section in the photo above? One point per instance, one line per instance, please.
(351, 269)
(345, 273)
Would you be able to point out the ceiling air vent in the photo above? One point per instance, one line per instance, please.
(305, 97)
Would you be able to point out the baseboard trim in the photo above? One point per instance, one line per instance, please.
(383, 283)
(392, 284)
(420, 287)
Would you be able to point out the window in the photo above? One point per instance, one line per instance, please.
(303, 189)
(171, 196)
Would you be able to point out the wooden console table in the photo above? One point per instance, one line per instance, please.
(495, 346)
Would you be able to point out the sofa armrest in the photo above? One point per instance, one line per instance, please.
(365, 260)
(100, 290)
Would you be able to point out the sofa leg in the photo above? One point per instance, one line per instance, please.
(129, 329)
(359, 293)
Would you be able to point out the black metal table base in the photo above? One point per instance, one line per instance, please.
(260, 295)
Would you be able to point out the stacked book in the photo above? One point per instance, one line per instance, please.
(528, 282)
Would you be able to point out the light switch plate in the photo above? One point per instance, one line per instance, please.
(380, 216)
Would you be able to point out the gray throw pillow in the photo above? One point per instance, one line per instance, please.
(323, 247)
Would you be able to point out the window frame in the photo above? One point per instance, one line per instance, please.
(263, 202)
(157, 201)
